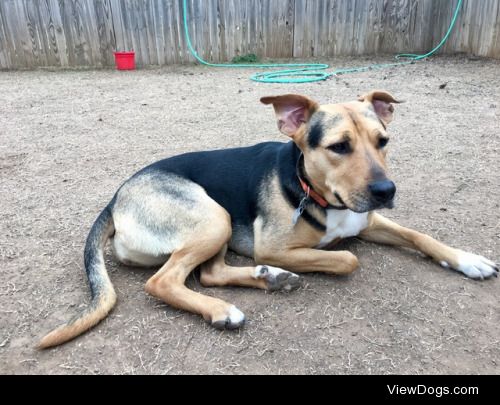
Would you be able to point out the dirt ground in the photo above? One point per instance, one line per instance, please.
(69, 139)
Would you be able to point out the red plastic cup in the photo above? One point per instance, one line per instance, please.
(125, 60)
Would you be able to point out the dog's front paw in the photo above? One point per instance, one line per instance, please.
(474, 266)
(277, 279)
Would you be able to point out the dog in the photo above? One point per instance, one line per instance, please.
(279, 203)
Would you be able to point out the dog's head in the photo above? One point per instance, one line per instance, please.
(344, 146)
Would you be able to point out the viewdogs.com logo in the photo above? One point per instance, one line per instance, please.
(437, 392)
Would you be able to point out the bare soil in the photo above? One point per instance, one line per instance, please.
(70, 138)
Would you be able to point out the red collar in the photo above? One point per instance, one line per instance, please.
(313, 194)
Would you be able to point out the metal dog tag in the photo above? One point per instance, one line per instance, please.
(298, 212)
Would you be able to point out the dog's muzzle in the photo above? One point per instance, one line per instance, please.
(379, 194)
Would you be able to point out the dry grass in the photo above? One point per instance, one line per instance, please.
(68, 139)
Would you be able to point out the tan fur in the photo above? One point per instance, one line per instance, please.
(216, 273)
(305, 260)
(96, 312)
(349, 175)
(385, 231)
(292, 248)
(274, 235)
(168, 283)
(69, 331)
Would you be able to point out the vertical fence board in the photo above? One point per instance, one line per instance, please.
(7, 50)
(16, 31)
(52, 21)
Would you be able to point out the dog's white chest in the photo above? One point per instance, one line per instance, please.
(343, 224)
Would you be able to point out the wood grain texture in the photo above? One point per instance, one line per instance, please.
(7, 52)
(105, 31)
(72, 33)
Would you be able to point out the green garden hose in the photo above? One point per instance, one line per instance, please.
(312, 72)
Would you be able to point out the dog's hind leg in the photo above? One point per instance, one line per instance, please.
(202, 244)
(160, 219)
(216, 273)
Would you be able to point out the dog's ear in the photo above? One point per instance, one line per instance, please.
(382, 104)
(292, 111)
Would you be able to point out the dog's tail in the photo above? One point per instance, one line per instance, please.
(103, 293)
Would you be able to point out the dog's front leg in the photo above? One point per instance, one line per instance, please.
(304, 260)
(383, 230)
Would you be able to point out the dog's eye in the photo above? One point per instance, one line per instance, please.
(342, 148)
(382, 143)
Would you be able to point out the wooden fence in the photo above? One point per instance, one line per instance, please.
(71, 33)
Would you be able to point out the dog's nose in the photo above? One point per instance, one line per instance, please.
(382, 191)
